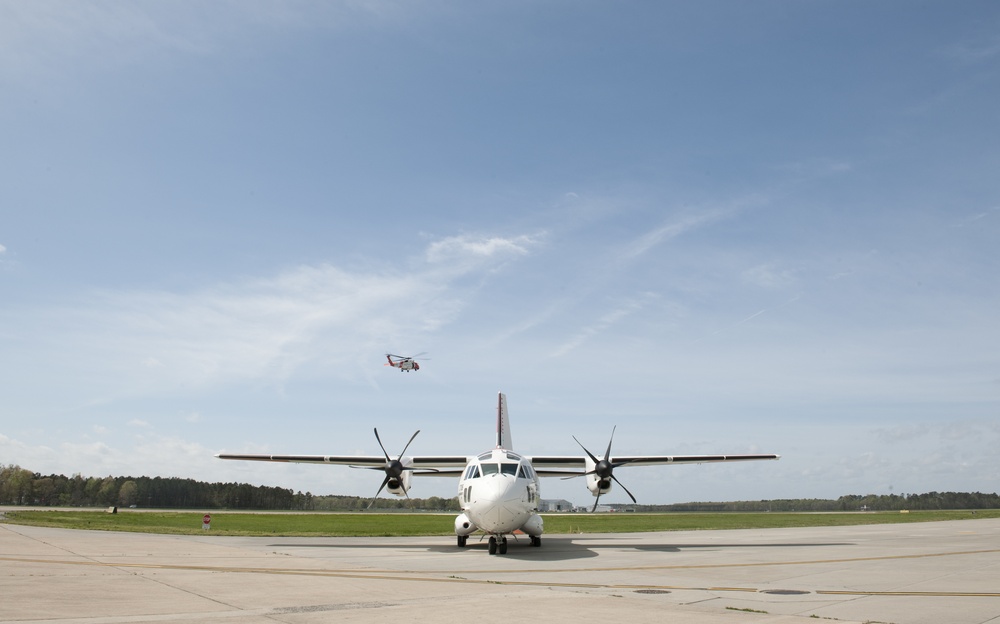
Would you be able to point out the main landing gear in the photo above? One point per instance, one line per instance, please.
(498, 546)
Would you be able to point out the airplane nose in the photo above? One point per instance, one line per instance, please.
(498, 504)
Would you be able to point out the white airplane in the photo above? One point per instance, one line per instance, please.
(498, 490)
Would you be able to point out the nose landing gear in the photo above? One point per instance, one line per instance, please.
(498, 546)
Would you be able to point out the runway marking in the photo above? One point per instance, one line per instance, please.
(759, 564)
(939, 594)
(427, 576)
(375, 575)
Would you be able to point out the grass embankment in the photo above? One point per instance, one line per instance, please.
(399, 525)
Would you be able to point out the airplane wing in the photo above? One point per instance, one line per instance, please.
(435, 465)
(549, 465)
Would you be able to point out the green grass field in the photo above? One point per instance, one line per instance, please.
(400, 524)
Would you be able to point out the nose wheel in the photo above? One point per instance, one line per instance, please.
(498, 546)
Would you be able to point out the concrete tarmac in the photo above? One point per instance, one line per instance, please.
(924, 573)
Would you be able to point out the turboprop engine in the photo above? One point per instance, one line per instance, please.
(397, 471)
(400, 485)
(601, 472)
(463, 525)
(534, 526)
(595, 483)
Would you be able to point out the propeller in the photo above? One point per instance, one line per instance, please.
(604, 469)
(393, 467)
(410, 357)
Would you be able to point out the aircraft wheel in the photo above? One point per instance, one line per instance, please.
(503, 546)
(536, 541)
(493, 545)
(461, 540)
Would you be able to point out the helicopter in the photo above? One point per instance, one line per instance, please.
(403, 363)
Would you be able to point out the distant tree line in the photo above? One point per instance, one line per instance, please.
(853, 502)
(19, 486)
(356, 503)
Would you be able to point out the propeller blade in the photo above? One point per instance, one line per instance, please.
(380, 488)
(586, 451)
(607, 453)
(381, 445)
(625, 488)
(408, 443)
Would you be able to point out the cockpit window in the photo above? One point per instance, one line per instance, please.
(472, 472)
(486, 456)
(505, 468)
(513, 456)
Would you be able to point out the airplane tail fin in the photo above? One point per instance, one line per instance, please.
(503, 424)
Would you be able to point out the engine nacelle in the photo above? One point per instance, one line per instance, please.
(400, 486)
(464, 526)
(598, 486)
(533, 526)
(595, 484)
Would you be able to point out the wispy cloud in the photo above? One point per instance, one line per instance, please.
(973, 218)
(467, 249)
(323, 316)
(602, 324)
(769, 276)
(45, 36)
(671, 230)
(691, 220)
(973, 51)
(902, 433)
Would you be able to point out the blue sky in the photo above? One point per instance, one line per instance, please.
(722, 227)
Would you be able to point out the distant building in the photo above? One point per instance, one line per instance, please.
(555, 505)
(609, 509)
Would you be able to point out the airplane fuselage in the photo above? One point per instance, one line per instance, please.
(499, 493)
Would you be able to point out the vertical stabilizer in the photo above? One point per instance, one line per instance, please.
(503, 424)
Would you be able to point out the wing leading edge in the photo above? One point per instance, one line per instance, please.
(429, 462)
(544, 465)
(549, 465)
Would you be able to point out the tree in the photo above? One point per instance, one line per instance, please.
(128, 493)
(44, 489)
(17, 485)
(107, 494)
